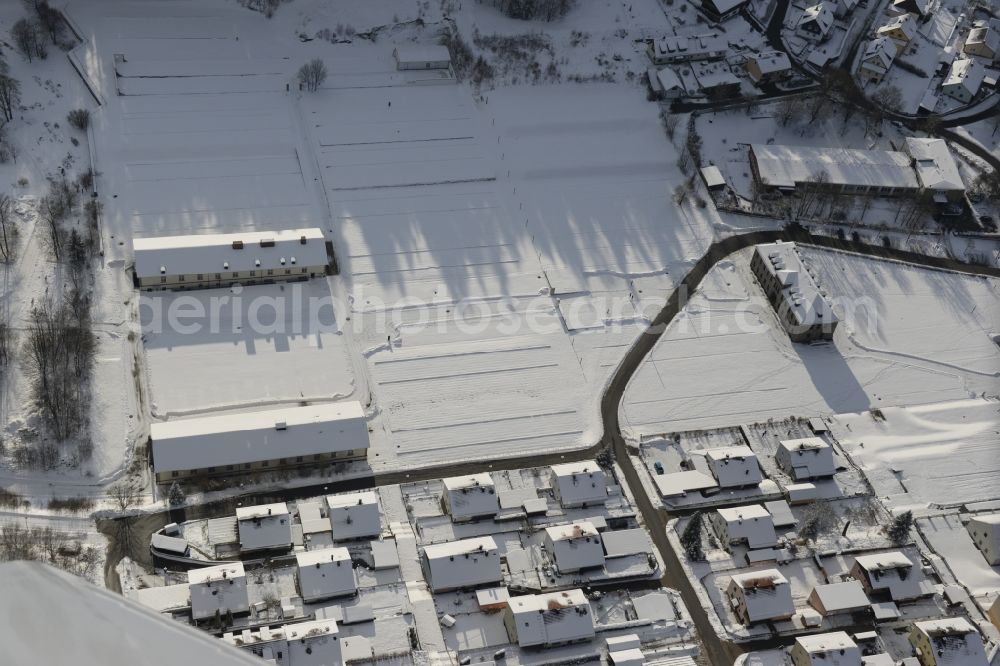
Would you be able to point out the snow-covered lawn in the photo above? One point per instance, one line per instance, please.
(933, 454)
(724, 360)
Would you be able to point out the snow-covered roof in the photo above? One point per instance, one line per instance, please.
(325, 573)
(218, 589)
(579, 483)
(821, 14)
(781, 513)
(50, 617)
(806, 458)
(465, 563)
(219, 572)
(354, 515)
(576, 546)
(713, 176)
(220, 253)
(799, 290)
(471, 496)
(630, 657)
(955, 641)
(751, 523)
(678, 484)
(577, 530)
(724, 6)
(935, 165)
(879, 54)
(966, 73)
(771, 62)
(546, 619)
(893, 572)
(420, 53)
(766, 594)
(840, 597)
(734, 466)
(669, 80)
(835, 648)
(905, 24)
(785, 166)
(690, 46)
(168, 543)
(884, 561)
(984, 36)
(621, 543)
(247, 437)
(492, 596)
(263, 527)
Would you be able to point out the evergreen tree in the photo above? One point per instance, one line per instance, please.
(899, 530)
(691, 539)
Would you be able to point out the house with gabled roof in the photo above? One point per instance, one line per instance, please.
(816, 22)
(760, 596)
(877, 59)
(951, 641)
(901, 30)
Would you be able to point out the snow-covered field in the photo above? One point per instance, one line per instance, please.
(724, 360)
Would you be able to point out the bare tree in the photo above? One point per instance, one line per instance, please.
(53, 210)
(312, 74)
(7, 341)
(28, 40)
(50, 20)
(789, 108)
(888, 97)
(8, 231)
(10, 96)
(79, 118)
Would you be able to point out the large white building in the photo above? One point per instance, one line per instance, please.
(264, 527)
(985, 533)
(759, 596)
(734, 466)
(538, 620)
(574, 547)
(219, 260)
(935, 167)
(800, 306)
(354, 515)
(254, 441)
(806, 458)
(951, 641)
(325, 573)
(462, 564)
(471, 496)
(751, 524)
(833, 649)
(218, 590)
(847, 170)
(579, 484)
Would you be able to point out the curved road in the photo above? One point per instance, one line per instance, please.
(654, 515)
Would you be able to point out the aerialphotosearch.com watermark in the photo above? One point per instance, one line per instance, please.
(302, 310)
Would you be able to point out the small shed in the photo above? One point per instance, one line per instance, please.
(714, 180)
(416, 56)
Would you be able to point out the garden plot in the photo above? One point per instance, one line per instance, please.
(291, 356)
(725, 360)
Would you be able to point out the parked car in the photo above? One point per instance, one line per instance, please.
(658, 466)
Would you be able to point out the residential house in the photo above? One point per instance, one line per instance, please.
(264, 527)
(951, 641)
(964, 80)
(768, 67)
(325, 573)
(312, 643)
(918, 7)
(218, 590)
(936, 169)
(844, 8)
(579, 484)
(574, 547)
(664, 83)
(983, 41)
(901, 30)
(816, 22)
(354, 515)
(831, 649)
(720, 10)
(985, 532)
(877, 59)
(547, 620)
(751, 525)
(734, 466)
(760, 596)
(254, 441)
(890, 575)
(219, 260)
(471, 496)
(467, 563)
(806, 458)
(687, 48)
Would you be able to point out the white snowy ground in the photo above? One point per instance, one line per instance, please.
(725, 360)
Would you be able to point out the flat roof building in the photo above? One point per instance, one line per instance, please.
(806, 458)
(471, 496)
(985, 532)
(734, 466)
(549, 619)
(750, 524)
(800, 306)
(575, 547)
(254, 441)
(832, 649)
(847, 170)
(220, 589)
(264, 527)
(935, 166)
(579, 484)
(760, 596)
(354, 515)
(219, 260)
(467, 563)
(419, 56)
(325, 573)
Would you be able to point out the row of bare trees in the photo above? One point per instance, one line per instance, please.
(33, 33)
(45, 544)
